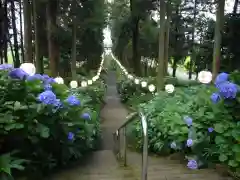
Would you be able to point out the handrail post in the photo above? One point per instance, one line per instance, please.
(124, 140)
(124, 146)
(145, 147)
(118, 144)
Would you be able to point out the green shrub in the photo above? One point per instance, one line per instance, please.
(46, 123)
(212, 137)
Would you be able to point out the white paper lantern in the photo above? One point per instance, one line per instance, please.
(94, 78)
(84, 84)
(89, 82)
(29, 68)
(59, 80)
(144, 84)
(130, 76)
(136, 81)
(151, 88)
(205, 77)
(73, 84)
(169, 88)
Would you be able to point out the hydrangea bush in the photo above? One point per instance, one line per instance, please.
(45, 122)
(201, 122)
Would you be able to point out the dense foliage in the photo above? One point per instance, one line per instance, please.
(43, 124)
(134, 95)
(201, 122)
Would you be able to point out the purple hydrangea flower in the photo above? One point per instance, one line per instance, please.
(47, 79)
(6, 66)
(215, 98)
(58, 103)
(210, 129)
(86, 116)
(50, 80)
(228, 90)
(189, 142)
(71, 136)
(34, 77)
(73, 101)
(173, 145)
(192, 164)
(47, 97)
(188, 120)
(45, 76)
(47, 87)
(18, 74)
(222, 77)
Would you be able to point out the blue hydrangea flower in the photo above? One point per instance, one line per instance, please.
(188, 120)
(17, 74)
(210, 129)
(189, 142)
(71, 136)
(86, 116)
(73, 101)
(173, 145)
(47, 87)
(58, 104)
(228, 90)
(222, 77)
(6, 66)
(47, 79)
(47, 97)
(34, 77)
(215, 98)
(45, 76)
(192, 164)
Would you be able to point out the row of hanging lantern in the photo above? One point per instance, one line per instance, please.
(85, 83)
(137, 81)
(30, 69)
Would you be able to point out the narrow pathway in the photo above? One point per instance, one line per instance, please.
(113, 114)
(102, 164)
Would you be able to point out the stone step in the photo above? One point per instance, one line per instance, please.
(101, 165)
(166, 169)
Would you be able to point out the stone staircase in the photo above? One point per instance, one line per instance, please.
(101, 165)
(162, 168)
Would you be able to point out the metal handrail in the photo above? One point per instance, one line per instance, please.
(117, 148)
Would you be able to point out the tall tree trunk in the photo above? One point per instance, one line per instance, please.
(160, 73)
(235, 7)
(135, 38)
(74, 39)
(21, 30)
(15, 37)
(193, 55)
(166, 45)
(28, 56)
(1, 30)
(174, 67)
(38, 58)
(53, 51)
(217, 38)
(12, 51)
(5, 29)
